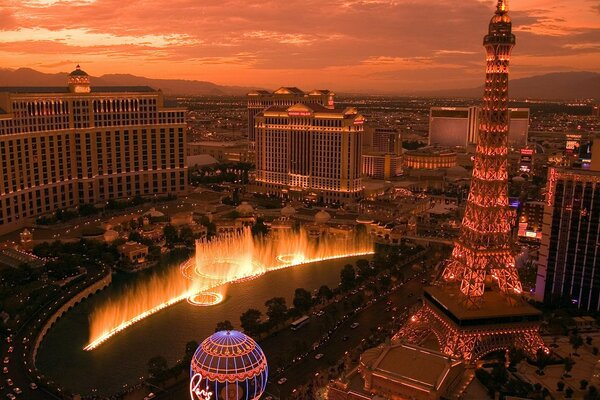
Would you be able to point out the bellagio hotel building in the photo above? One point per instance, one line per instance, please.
(309, 151)
(65, 146)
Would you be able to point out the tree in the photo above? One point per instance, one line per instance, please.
(560, 385)
(302, 300)
(583, 384)
(259, 228)
(592, 394)
(325, 293)
(588, 340)
(276, 310)
(186, 235)
(576, 342)
(569, 393)
(568, 365)
(364, 269)
(224, 326)
(170, 233)
(542, 359)
(190, 349)
(347, 277)
(250, 321)
(157, 366)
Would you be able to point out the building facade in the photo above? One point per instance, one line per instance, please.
(459, 126)
(429, 158)
(65, 146)
(225, 152)
(310, 151)
(284, 96)
(531, 220)
(569, 261)
(382, 153)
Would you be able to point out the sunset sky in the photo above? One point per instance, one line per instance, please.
(345, 45)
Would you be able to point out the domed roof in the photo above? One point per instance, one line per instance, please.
(288, 211)
(322, 217)
(154, 213)
(78, 72)
(245, 208)
(229, 356)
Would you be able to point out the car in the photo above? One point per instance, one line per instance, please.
(319, 356)
(321, 313)
(11, 396)
(5, 370)
(345, 338)
(9, 382)
(33, 385)
(354, 325)
(10, 349)
(281, 381)
(150, 396)
(17, 390)
(6, 360)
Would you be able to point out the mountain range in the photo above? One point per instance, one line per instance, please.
(553, 86)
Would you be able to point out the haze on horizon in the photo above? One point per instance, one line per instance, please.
(346, 45)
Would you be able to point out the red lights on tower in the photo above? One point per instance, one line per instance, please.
(484, 245)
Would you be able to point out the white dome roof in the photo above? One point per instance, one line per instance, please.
(288, 211)
(245, 208)
(322, 217)
(155, 213)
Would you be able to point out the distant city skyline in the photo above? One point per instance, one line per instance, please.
(346, 45)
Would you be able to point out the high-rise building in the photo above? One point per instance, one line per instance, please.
(65, 146)
(468, 320)
(453, 126)
(569, 261)
(310, 151)
(382, 153)
(596, 111)
(459, 126)
(284, 96)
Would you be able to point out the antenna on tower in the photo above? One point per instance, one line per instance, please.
(502, 7)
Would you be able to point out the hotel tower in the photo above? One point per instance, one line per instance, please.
(77, 144)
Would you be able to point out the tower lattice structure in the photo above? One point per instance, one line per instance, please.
(468, 321)
(484, 245)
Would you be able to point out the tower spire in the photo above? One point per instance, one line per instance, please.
(502, 7)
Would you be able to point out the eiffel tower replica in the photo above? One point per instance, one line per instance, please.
(477, 307)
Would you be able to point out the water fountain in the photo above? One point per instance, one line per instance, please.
(203, 279)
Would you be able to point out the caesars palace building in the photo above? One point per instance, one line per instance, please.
(65, 146)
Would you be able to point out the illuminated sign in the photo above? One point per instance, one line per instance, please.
(299, 113)
(527, 152)
(573, 143)
(196, 392)
(525, 168)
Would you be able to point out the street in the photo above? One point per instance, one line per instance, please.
(283, 343)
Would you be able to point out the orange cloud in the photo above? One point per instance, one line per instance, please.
(358, 45)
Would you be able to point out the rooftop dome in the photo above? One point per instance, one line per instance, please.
(154, 213)
(288, 211)
(78, 72)
(245, 208)
(79, 81)
(322, 217)
(231, 365)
